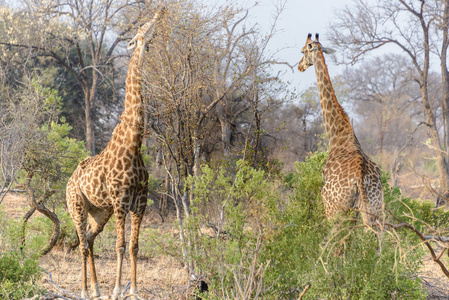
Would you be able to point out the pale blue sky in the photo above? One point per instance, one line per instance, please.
(297, 20)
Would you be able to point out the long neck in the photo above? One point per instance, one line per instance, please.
(130, 130)
(336, 121)
(133, 101)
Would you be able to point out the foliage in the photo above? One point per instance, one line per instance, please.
(339, 259)
(19, 269)
(251, 241)
(228, 226)
(44, 154)
(421, 214)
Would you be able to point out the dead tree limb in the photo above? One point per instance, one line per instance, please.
(304, 291)
(436, 258)
(63, 293)
(39, 206)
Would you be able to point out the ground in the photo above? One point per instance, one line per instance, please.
(161, 276)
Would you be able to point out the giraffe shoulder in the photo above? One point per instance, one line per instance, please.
(86, 162)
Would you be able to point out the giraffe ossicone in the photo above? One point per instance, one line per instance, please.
(115, 181)
(351, 179)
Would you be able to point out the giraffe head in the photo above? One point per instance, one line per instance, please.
(146, 32)
(310, 49)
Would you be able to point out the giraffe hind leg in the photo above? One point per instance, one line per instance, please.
(97, 221)
(78, 212)
(120, 218)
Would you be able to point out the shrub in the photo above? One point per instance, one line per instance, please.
(231, 259)
(340, 259)
(19, 269)
(254, 237)
(18, 276)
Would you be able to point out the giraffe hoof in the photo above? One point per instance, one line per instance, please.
(85, 295)
(116, 293)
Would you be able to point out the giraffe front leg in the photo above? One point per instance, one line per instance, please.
(120, 217)
(136, 219)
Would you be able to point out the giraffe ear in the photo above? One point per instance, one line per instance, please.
(132, 44)
(328, 50)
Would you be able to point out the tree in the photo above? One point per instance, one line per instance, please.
(408, 26)
(386, 98)
(203, 63)
(82, 36)
(297, 127)
(36, 150)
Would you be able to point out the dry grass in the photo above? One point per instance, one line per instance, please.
(159, 277)
(436, 283)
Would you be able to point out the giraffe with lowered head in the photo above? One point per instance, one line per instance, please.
(351, 179)
(114, 181)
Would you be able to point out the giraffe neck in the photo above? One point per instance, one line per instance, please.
(130, 130)
(336, 121)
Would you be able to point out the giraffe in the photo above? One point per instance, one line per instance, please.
(351, 179)
(114, 181)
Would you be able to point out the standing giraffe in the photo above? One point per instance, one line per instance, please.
(351, 178)
(114, 181)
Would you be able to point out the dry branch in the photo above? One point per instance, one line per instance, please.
(304, 291)
(436, 258)
(63, 293)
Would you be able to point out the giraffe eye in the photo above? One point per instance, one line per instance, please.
(309, 46)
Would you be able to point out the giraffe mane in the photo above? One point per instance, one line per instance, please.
(334, 98)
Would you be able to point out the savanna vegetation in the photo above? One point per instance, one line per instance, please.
(235, 154)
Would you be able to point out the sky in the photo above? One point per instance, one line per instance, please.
(299, 18)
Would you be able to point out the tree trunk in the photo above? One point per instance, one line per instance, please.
(226, 130)
(445, 82)
(90, 128)
(90, 94)
(40, 207)
(440, 155)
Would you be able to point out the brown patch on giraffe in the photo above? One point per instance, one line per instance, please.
(95, 182)
(121, 151)
(119, 164)
(127, 163)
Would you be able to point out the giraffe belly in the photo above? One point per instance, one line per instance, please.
(97, 195)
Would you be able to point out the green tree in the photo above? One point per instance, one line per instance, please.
(35, 141)
(83, 38)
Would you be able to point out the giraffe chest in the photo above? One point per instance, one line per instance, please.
(113, 179)
(128, 171)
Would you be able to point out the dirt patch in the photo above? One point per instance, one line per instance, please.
(15, 205)
(433, 278)
(158, 278)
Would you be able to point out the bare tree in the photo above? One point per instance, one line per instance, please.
(385, 96)
(203, 63)
(91, 29)
(409, 26)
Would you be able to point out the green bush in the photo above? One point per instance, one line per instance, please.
(416, 212)
(18, 276)
(275, 239)
(232, 259)
(340, 259)
(19, 269)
